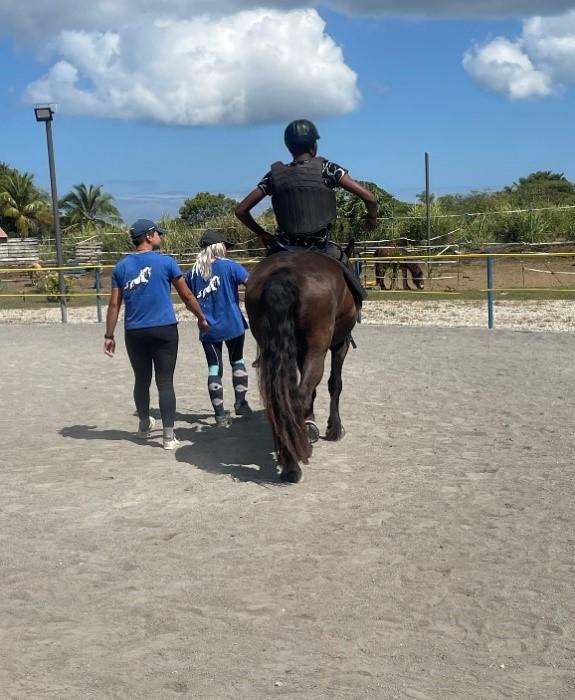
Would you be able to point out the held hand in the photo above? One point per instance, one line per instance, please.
(109, 347)
(203, 325)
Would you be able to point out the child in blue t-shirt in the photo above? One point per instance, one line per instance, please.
(214, 280)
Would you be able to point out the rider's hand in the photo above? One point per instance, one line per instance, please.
(203, 325)
(109, 346)
(267, 240)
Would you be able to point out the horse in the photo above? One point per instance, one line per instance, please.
(299, 306)
(404, 265)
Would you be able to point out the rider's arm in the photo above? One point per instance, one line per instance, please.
(351, 185)
(243, 213)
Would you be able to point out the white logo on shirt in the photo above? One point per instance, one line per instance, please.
(213, 285)
(142, 278)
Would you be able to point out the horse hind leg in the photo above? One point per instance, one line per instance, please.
(404, 274)
(380, 275)
(394, 272)
(335, 429)
(310, 377)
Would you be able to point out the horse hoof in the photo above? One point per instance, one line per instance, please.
(334, 435)
(312, 431)
(292, 477)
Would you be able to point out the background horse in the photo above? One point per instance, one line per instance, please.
(299, 306)
(396, 265)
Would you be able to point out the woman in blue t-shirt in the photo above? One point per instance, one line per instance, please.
(214, 281)
(143, 280)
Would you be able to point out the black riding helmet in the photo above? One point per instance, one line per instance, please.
(300, 135)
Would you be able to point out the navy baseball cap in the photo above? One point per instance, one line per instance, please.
(142, 226)
(211, 237)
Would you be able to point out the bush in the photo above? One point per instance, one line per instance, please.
(47, 283)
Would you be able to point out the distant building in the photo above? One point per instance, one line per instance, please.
(3, 236)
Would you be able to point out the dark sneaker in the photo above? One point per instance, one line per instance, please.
(243, 409)
(223, 421)
(147, 432)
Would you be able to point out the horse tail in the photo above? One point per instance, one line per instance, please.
(278, 369)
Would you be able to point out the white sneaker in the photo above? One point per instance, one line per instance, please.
(145, 434)
(171, 443)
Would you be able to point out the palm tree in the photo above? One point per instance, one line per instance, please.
(21, 201)
(89, 205)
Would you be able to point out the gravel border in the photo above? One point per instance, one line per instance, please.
(531, 315)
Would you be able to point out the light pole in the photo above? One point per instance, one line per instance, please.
(45, 113)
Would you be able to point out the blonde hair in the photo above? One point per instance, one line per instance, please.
(205, 259)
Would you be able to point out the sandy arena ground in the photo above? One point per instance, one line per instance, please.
(429, 556)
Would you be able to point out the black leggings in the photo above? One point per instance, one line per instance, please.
(155, 347)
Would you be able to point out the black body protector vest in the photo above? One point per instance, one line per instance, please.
(301, 201)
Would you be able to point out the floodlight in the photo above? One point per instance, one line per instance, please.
(44, 113)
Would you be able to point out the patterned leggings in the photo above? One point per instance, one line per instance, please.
(214, 357)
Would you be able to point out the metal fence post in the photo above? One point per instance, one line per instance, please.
(490, 314)
(98, 286)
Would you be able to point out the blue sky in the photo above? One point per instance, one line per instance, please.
(416, 95)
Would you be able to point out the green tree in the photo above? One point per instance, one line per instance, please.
(22, 203)
(204, 206)
(84, 206)
(542, 188)
(267, 220)
(351, 211)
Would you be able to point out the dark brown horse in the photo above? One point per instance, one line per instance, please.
(299, 306)
(396, 265)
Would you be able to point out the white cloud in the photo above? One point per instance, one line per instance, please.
(550, 42)
(256, 66)
(503, 67)
(231, 62)
(539, 63)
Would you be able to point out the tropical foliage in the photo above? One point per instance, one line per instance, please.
(351, 212)
(537, 208)
(88, 205)
(24, 208)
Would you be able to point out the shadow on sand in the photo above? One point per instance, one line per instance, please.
(244, 451)
(91, 432)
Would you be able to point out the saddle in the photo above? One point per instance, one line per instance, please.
(321, 244)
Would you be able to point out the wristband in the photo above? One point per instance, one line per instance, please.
(108, 337)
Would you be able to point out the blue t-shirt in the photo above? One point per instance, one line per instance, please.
(145, 280)
(220, 300)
